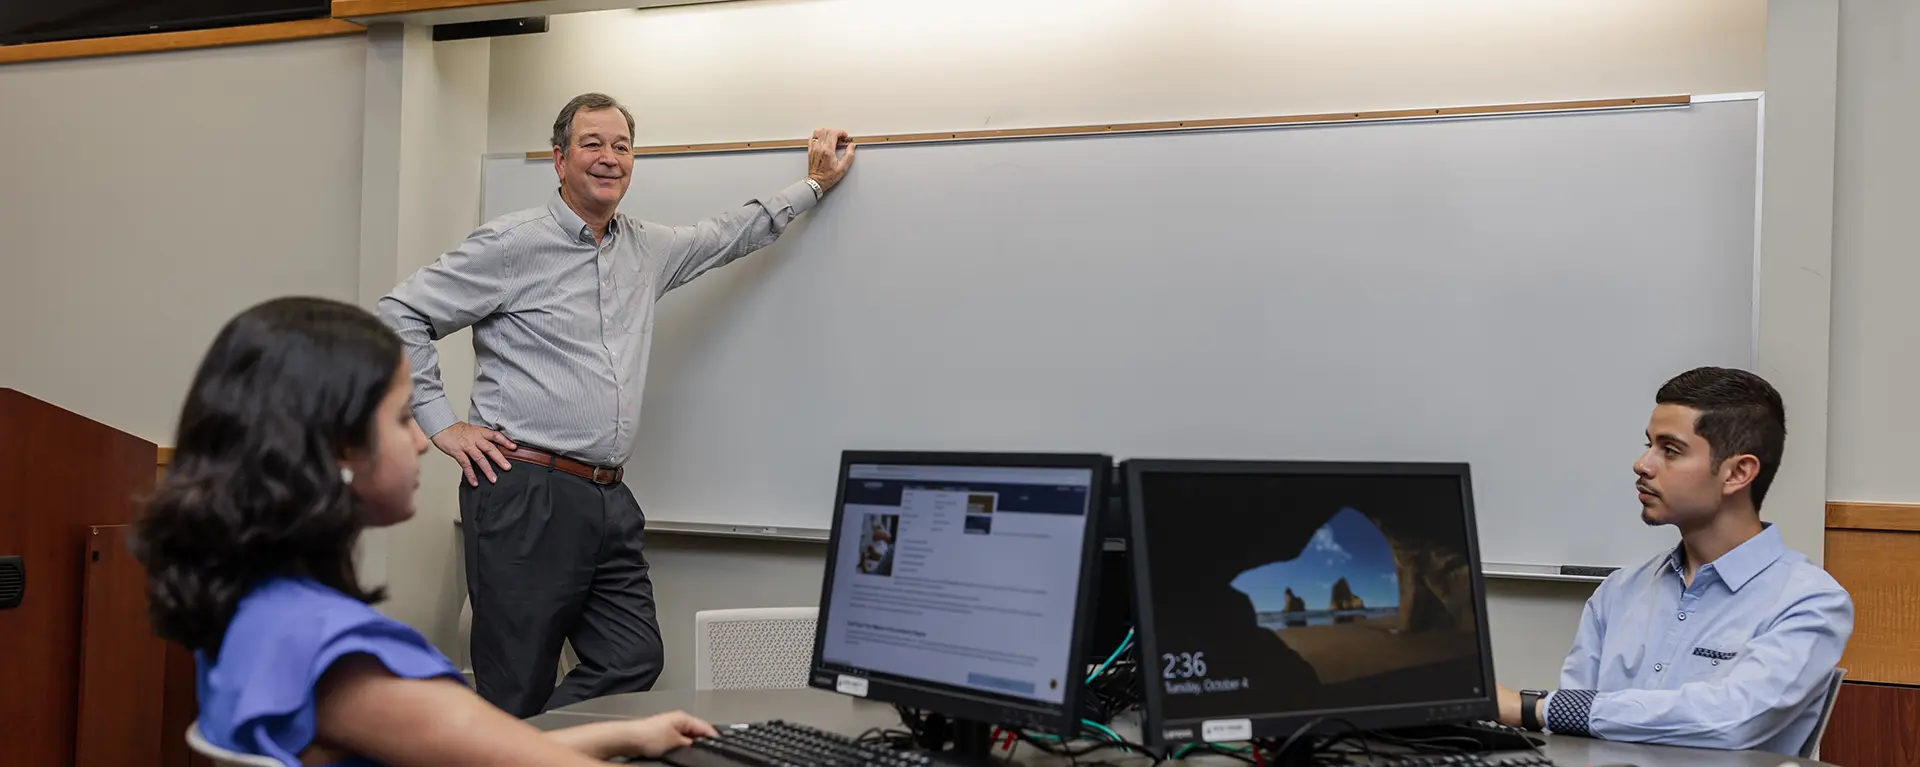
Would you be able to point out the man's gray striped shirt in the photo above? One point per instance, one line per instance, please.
(562, 326)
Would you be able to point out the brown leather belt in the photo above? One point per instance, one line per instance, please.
(599, 475)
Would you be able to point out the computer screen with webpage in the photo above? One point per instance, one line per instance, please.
(966, 576)
(1296, 590)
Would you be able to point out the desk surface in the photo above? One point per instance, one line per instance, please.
(838, 713)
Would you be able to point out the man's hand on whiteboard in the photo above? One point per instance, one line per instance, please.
(826, 163)
(474, 447)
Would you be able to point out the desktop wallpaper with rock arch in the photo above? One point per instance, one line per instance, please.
(1309, 592)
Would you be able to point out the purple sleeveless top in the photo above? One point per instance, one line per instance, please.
(257, 696)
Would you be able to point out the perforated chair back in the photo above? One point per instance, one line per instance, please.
(761, 648)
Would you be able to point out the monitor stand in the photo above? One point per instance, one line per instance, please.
(957, 741)
(1304, 753)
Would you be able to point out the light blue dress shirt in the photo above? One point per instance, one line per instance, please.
(1739, 660)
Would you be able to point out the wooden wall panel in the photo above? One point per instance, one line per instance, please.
(1874, 726)
(1872, 550)
(1893, 517)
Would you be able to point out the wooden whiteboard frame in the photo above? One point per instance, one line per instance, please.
(1173, 126)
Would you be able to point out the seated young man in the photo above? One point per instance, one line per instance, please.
(1727, 641)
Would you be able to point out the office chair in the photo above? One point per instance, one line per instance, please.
(221, 756)
(1812, 748)
(764, 648)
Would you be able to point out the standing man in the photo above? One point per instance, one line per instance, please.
(561, 301)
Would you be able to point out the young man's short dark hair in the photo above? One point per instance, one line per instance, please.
(1740, 414)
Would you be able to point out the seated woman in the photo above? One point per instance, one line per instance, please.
(297, 435)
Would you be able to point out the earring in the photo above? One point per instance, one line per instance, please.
(346, 475)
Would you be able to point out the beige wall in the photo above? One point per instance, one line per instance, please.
(426, 127)
(778, 68)
(1875, 432)
(738, 71)
(144, 200)
(1796, 244)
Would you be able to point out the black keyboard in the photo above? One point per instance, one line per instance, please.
(780, 744)
(1470, 760)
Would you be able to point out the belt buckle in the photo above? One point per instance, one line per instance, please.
(612, 475)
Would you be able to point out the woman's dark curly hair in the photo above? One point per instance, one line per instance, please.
(254, 489)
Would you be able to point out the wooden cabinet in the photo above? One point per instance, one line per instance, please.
(61, 475)
(122, 662)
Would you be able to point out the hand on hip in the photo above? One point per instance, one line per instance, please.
(475, 448)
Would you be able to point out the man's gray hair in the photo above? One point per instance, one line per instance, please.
(563, 125)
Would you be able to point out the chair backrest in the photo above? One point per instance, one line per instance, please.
(223, 757)
(760, 648)
(1812, 748)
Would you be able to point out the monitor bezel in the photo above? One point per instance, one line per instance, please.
(962, 702)
(1159, 731)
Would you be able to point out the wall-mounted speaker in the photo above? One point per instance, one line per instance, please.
(13, 581)
(494, 28)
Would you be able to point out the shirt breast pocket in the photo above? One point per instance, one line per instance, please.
(631, 294)
(1711, 659)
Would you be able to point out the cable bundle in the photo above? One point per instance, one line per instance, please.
(1114, 685)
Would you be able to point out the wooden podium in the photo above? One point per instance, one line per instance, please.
(83, 679)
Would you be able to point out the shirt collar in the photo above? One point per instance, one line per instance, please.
(571, 222)
(1745, 561)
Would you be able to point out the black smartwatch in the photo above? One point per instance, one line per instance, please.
(1530, 709)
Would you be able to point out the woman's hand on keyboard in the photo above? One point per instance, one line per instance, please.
(656, 735)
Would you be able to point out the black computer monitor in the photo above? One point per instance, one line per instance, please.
(1272, 594)
(960, 583)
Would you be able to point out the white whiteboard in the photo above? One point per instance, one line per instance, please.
(1508, 292)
